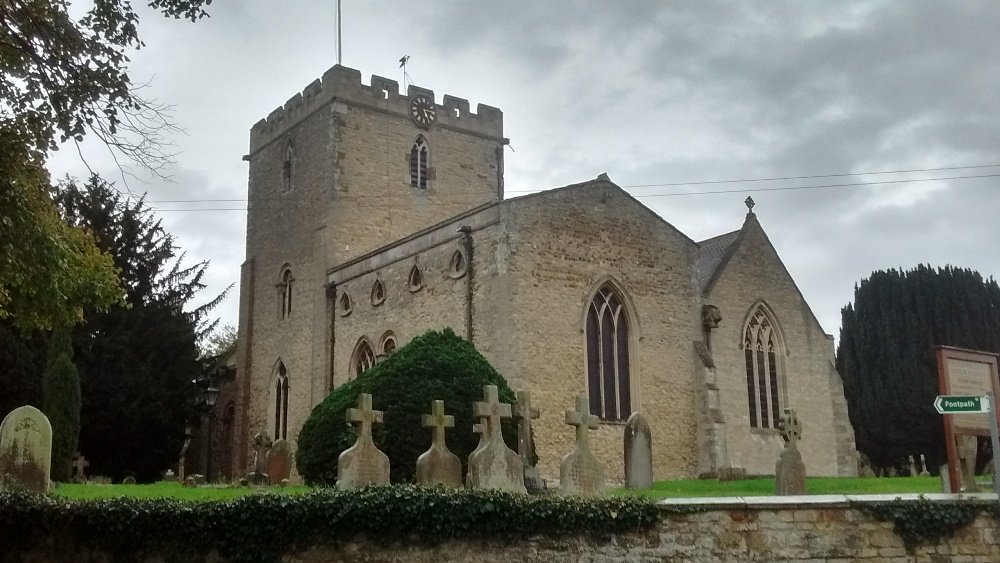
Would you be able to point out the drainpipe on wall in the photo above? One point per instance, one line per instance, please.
(469, 273)
(331, 300)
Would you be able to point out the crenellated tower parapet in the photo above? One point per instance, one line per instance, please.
(344, 85)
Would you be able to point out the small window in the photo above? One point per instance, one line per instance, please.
(345, 306)
(416, 279)
(457, 265)
(287, 169)
(286, 293)
(387, 344)
(418, 164)
(364, 358)
(378, 293)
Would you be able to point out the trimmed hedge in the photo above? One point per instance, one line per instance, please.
(261, 528)
(433, 366)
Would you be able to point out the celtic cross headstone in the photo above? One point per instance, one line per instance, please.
(790, 471)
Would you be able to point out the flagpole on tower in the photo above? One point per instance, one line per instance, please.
(340, 52)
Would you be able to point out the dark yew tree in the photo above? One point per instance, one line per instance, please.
(887, 354)
(20, 382)
(139, 361)
(61, 402)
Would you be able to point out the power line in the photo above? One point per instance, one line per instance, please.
(709, 182)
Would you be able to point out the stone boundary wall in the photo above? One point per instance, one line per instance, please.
(804, 529)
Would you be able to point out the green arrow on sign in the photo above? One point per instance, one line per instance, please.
(950, 404)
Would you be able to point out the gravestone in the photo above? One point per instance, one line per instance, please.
(580, 473)
(732, 473)
(912, 466)
(923, 467)
(892, 472)
(472, 474)
(261, 443)
(363, 464)
(968, 447)
(525, 413)
(169, 476)
(25, 450)
(864, 466)
(130, 480)
(278, 462)
(495, 466)
(639, 453)
(789, 471)
(438, 465)
(79, 468)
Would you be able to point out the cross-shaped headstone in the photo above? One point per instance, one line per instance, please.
(439, 421)
(790, 428)
(364, 415)
(524, 412)
(583, 420)
(79, 467)
(492, 410)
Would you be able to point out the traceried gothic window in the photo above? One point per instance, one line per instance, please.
(765, 385)
(608, 372)
(280, 394)
(286, 293)
(287, 164)
(363, 359)
(418, 163)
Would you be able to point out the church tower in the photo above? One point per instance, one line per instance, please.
(340, 170)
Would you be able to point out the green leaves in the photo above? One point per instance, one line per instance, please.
(262, 528)
(924, 521)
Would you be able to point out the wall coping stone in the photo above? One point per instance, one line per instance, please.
(823, 501)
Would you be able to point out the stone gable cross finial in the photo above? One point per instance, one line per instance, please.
(364, 414)
(583, 420)
(790, 428)
(439, 421)
(750, 203)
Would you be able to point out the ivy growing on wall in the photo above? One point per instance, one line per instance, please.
(923, 521)
(261, 528)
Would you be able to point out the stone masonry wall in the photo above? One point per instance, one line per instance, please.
(562, 245)
(753, 274)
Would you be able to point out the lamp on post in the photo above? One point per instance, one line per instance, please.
(210, 395)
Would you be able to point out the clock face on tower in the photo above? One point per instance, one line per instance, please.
(422, 110)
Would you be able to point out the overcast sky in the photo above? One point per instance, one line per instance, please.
(650, 92)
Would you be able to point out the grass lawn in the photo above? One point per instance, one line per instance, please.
(765, 487)
(163, 489)
(661, 489)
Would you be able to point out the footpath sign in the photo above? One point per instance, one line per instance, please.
(969, 383)
(951, 404)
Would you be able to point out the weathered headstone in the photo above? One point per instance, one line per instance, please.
(732, 473)
(912, 466)
(472, 474)
(130, 480)
(438, 465)
(495, 466)
(278, 462)
(25, 450)
(580, 473)
(864, 466)
(363, 464)
(261, 443)
(923, 467)
(789, 471)
(170, 476)
(79, 468)
(892, 471)
(638, 453)
(524, 412)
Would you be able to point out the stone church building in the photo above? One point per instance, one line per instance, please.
(375, 216)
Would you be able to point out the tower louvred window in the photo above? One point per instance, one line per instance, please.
(419, 154)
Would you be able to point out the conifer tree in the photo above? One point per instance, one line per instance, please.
(61, 392)
(887, 354)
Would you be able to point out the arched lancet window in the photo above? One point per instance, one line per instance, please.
(415, 281)
(287, 164)
(378, 292)
(363, 358)
(280, 393)
(762, 354)
(286, 293)
(456, 266)
(419, 155)
(609, 384)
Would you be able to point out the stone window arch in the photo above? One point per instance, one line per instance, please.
(419, 163)
(378, 293)
(363, 357)
(287, 168)
(609, 338)
(386, 344)
(285, 286)
(345, 304)
(279, 398)
(415, 281)
(763, 353)
(458, 265)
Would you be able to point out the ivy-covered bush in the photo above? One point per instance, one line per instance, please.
(433, 366)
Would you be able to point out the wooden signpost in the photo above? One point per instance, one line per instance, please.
(969, 384)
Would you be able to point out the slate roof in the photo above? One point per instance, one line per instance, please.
(710, 254)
